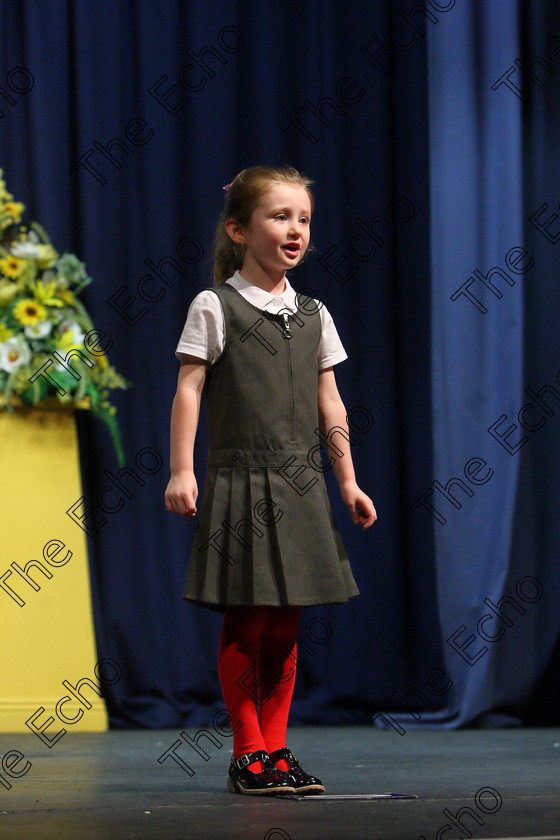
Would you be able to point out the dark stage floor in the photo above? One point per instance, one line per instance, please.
(110, 786)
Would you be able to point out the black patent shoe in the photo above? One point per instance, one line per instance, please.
(302, 781)
(270, 781)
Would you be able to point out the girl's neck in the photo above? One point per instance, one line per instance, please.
(274, 285)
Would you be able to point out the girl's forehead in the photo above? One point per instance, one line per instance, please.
(286, 194)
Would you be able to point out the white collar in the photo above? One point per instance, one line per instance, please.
(259, 297)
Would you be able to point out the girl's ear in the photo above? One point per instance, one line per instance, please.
(235, 231)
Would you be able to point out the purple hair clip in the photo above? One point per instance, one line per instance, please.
(227, 187)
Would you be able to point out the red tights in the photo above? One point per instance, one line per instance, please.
(257, 658)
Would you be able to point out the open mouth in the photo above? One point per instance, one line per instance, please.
(292, 248)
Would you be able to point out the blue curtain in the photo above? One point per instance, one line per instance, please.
(431, 132)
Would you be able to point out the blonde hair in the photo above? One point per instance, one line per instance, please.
(244, 194)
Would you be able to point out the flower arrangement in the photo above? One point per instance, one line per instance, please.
(42, 319)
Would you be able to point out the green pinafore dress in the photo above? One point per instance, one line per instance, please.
(266, 533)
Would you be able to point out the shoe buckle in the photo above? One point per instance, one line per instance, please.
(242, 762)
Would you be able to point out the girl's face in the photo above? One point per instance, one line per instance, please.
(278, 233)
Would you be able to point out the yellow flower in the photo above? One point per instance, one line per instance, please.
(66, 342)
(11, 266)
(4, 194)
(47, 256)
(5, 333)
(12, 210)
(70, 336)
(66, 295)
(45, 293)
(28, 311)
(8, 291)
(102, 361)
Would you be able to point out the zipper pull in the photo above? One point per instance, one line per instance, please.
(285, 321)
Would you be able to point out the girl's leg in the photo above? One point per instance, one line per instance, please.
(238, 650)
(277, 674)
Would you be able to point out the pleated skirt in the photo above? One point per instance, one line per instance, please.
(265, 539)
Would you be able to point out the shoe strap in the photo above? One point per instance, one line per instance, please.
(284, 753)
(249, 758)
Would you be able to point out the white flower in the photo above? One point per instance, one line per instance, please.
(68, 325)
(25, 250)
(39, 330)
(14, 353)
(75, 336)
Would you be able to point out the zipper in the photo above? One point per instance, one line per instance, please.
(284, 321)
(291, 375)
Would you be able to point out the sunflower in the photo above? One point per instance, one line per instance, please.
(28, 311)
(11, 266)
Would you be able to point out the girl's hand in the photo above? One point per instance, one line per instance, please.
(181, 494)
(360, 506)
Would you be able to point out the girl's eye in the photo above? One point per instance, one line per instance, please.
(282, 216)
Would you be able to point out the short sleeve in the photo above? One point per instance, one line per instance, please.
(203, 333)
(331, 350)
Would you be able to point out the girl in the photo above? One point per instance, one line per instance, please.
(266, 542)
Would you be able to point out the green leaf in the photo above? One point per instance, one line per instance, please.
(66, 381)
(91, 390)
(111, 423)
(39, 389)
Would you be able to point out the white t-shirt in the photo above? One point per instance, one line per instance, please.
(204, 330)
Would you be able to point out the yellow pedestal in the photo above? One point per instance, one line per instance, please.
(49, 638)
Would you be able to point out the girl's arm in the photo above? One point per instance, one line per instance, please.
(332, 416)
(182, 490)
